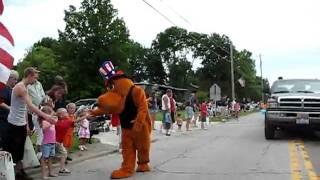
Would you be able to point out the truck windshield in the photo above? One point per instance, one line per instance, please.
(296, 86)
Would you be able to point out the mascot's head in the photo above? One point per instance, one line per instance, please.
(118, 85)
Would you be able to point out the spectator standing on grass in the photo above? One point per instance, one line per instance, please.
(61, 101)
(166, 111)
(172, 110)
(68, 140)
(115, 122)
(179, 121)
(5, 96)
(84, 132)
(62, 127)
(153, 108)
(48, 144)
(203, 114)
(56, 93)
(194, 105)
(189, 115)
(237, 108)
(18, 124)
(37, 95)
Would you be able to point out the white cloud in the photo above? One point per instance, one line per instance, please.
(29, 21)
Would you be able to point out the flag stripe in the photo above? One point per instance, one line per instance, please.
(1, 7)
(6, 45)
(6, 59)
(5, 33)
(4, 74)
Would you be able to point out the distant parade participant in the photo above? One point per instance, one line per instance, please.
(166, 111)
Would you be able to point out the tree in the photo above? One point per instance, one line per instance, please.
(155, 70)
(93, 34)
(172, 47)
(45, 60)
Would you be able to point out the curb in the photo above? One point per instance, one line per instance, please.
(35, 171)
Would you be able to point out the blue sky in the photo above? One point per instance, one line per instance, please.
(285, 32)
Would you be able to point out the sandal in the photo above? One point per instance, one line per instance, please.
(53, 175)
(64, 171)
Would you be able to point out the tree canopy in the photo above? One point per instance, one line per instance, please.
(94, 33)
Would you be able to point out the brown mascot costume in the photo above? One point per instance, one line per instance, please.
(129, 101)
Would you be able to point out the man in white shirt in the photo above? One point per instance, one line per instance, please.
(37, 95)
(166, 111)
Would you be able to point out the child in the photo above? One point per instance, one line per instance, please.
(179, 121)
(204, 114)
(48, 144)
(167, 122)
(84, 132)
(189, 115)
(62, 127)
(68, 140)
(115, 122)
(237, 109)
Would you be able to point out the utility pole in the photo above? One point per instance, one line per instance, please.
(232, 73)
(262, 93)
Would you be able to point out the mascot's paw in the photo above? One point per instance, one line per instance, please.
(121, 173)
(143, 168)
(137, 127)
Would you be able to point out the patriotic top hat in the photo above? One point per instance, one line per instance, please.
(107, 71)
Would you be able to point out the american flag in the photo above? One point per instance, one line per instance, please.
(6, 46)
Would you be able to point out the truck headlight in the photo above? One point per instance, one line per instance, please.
(272, 103)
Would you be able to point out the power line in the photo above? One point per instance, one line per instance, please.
(164, 16)
(168, 19)
(176, 12)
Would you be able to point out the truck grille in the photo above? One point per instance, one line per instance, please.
(305, 103)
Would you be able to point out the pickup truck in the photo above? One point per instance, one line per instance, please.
(293, 104)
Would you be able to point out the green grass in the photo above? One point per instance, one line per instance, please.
(159, 115)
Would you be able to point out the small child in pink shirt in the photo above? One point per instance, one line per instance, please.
(48, 144)
(204, 114)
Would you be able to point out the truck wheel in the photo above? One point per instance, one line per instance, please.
(269, 131)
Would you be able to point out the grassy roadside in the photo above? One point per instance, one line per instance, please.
(218, 118)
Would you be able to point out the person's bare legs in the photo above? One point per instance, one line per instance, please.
(153, 117)
(188, 125)
(63, 159)
(43, 162)
(50, 169)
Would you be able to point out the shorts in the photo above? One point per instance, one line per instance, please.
(173, 119)
(16, 140)
(48, 150)
(167, 125)
(61, 151)
(166, 117)
(203, 119)
(153, 110)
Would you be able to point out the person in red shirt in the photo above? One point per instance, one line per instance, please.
(204, 114)
(62, 127)
(115, 122)
(172, 110)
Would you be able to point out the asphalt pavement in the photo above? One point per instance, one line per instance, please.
(235, 150)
